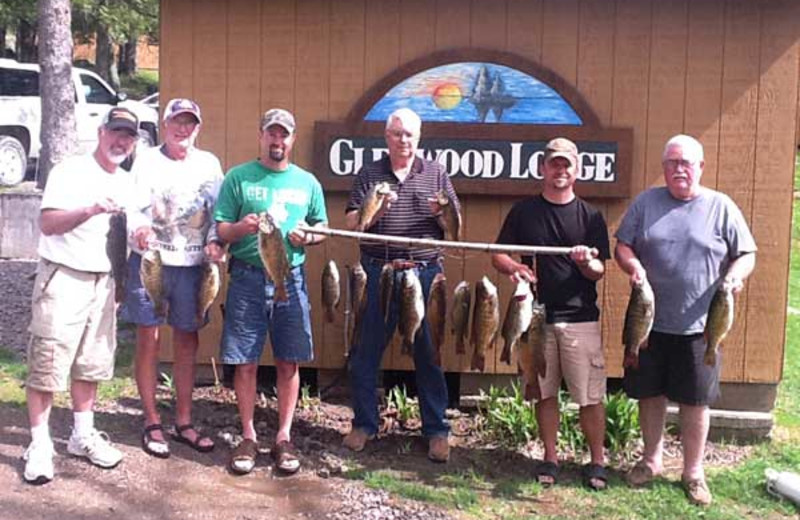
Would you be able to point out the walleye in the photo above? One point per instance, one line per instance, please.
(273, 254)
(372, 204)
(638, 319)
(459, 315)
(450, 218)
(331, 291)
(437, 313)
(386, 290)
(517, 320)
(412, 309)
(117, 251)
(718, 322)
(208, 290)
(358, 292)
(151, 272)
(485, 322)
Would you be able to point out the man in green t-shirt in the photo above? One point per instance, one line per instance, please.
(291, 196)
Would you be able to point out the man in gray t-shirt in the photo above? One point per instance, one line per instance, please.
(686, 240)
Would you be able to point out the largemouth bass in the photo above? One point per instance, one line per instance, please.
(638, 320)
(485, 322)
(459, 315)
(331, 291)
(272, 250)
(386, 290)
(450, 218)
(531, 353)
(517, 320)
(151, 273)
(208, 290)
(117, 251)
(412, 309)
(437, 313)
(358, 292)
(372, 204)
(718, 322)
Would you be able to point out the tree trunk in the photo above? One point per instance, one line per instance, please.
(26, 42)
(127, 56)
(59, 134)
(104, 53)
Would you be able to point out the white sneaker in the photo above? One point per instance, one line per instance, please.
(96, 447)
(38, 463)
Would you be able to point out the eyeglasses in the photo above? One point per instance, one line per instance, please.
(399, 134)
(673, 164)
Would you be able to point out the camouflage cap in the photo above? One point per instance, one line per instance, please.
(280, 117)
(561, 147)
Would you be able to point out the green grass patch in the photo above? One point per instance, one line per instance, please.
(12, 375)
(451, 491)
(139, 85)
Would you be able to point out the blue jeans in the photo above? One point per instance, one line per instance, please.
(251, 311)
(365, 357)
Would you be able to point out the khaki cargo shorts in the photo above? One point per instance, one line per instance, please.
(574, 352)
(73, 328)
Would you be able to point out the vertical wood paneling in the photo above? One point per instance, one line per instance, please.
(772, 202)
(279, 59)
(209, 73)
(244, 78)
(488, 24)
(382, 52)
(704, 80)
(417, 29)
(737, 140)
(176, 50)
(452, 24)
(560, 38)
(347, 56)
(525, 28)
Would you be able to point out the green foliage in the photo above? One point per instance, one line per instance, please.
(508, 418)
(459, 496)
(570, 436)
(168, 382)
(14, 11)
(139, 85)
(622, 424)
(406, 407)
(122, 19)
(12, 377)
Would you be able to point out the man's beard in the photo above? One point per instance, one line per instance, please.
(276, 154)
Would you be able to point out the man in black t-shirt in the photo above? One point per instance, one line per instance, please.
(567, 286)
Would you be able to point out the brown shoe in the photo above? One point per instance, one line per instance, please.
(439, 449)
(640, 475)
(697, 491)
(356, 439)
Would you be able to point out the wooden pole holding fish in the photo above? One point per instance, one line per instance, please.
(444, 244)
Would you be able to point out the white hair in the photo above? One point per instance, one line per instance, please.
(407, 117)
(690, 145)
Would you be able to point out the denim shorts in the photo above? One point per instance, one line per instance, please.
(180, 285)
(251, 312)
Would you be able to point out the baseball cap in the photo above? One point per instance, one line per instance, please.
(182, 106)
(119, 118)
(278, 116)
(561, 147)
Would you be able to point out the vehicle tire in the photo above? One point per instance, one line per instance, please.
(13, 161)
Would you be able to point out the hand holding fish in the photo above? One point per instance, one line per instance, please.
(522, 273)
(734, 283)
(248, 225)
(142, 236)
(215, 252)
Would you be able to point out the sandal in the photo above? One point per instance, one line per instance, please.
(595, 476)
(151, 446)
(197, 443)
(285, 459)
(547, 473)
(243, 458)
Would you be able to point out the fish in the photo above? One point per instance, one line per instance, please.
(485, 322)
(208, 290)
(358, 290)
(386, 290)
(331, 291)
(272, 250)
(718, 322)
(412, 309)
(459, 315)
(450, 219)
(437, 313)
(151, 273)
(117, 251)
(517, 320)
(638, 320)
(372, 204)
(534, 342)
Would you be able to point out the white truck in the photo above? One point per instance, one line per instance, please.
(21, 115)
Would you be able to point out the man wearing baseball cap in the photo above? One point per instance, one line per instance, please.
(567, 286)
(256, 304)
(73, 319)
(176, 190)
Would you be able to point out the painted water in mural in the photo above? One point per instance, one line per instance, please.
(477, 93)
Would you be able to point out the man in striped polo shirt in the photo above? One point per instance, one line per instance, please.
(408, 211)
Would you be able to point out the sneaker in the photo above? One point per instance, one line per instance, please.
(439, 449)
(356, 439)
(96, 447)
(697, 491)
(38, 463)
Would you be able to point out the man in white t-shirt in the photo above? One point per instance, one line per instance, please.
(73, 325)
(176, 189)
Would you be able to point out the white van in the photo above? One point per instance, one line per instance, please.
(21, 115)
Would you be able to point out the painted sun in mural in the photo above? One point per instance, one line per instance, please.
(447, 96)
